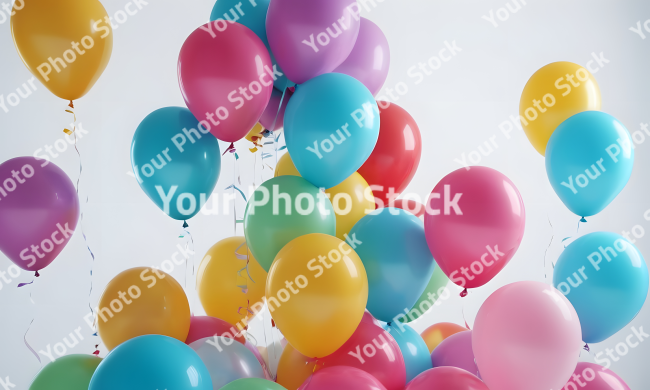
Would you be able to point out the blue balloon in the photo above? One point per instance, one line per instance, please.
(397, 259)
(331, 126)
(176, 163)
(589, 160)
(605, 278)
(414, 350)
(151, 362)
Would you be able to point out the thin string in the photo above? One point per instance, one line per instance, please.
(30, 326)
(549, 245)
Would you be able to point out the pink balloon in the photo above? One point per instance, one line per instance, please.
(373, 350)
(590, 376)
(447, 378)
(341, 378)
(205, 326)
(474, 224)
(526, 336)
(271, 111)
(259, 358)
(226, 77)
(370, 57)
(369, 319)
(39, 210)
(455, 351)
(330, 28)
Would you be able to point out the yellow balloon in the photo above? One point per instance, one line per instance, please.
(352, 199)
(317, 292)
(221, 281)
(294, 368)
(142, 301)
(552, 95)
(66, 44)
(256, 131)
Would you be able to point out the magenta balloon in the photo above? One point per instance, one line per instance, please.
(474, 224)
(369, 319)
(226, 77)
(526, 336)
(590, 376)
(271, 110)
(370, 57)
(455, 351)
(39, 210)
(341, 378)
(446, 378)
(310, 38)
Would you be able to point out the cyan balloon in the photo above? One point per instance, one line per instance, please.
(414, 350)
(151, 362)
(252, 384)
(605, 278)
(435, 289)
(589, 160)
(331, 126)
(175, 161)
(394, 250)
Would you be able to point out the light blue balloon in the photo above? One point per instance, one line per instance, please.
(605, 278)
(331, 126)
(397, 259)
(176, 164)
(151, 362)
(592, 154)
(414, 350)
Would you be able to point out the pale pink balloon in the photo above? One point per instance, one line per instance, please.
(455, 351)
(447, 378)
(590, 376)
(341, 378)
(474, 223)
(526, 336)
(259, 358)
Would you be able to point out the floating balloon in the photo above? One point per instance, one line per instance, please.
(294, 368)
(415, 351)
(252, 384)
(553, 94)
(456, 351)
(605, 278)
(285, 167)
(589, 160)
(205, 326)
(590, 376)
(368, 318)
(474, 224)
(539, 323)
(435, 290)
(71, 372)
(331, 127)
(342, 378)
(273, 116)
(446, 378)
(436, 333)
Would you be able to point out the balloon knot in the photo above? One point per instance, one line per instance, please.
(71, 105)
(463, 294)
(272, 323)
(185, 224)
(37, 274)
(583, 219)
(96, 353)
(586, 347)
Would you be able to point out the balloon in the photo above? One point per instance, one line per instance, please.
(252, 384)
(227, 97)
(605, 278)
(455, 351)
(370, 58)
(412, 206)
(285, 167)
(342, 378)
(294, 368)
(310, 39)
(71, 372)
(436, 289)
(551, 96)
(177, 168)
(367, 317)
(399, 264)
(479, 228)
(39, 210)
(152, 362)
(225, 288)
(272, 119)
(589, 160)
(436, 333)
(259, 358)
(393, 162)
(205, 326)
(282, 209)
(66, 51)
(415, 351)
(255, 134)
(446, 378)
(325, 309)
(141, 301)
(536, 322)
(331, 127)
(590, 376)
(227, 360)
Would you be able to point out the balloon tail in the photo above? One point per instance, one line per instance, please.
(582, 220)
(549, 245)
(185, 224)
(30, 326)
(586, 348)
(463, 293)
(96, 353)
(36, 274)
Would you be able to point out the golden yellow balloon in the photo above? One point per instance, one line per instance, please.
(224, 286)
(294, 368)
(317, 292)
(142, 301)
(286, 167)
(66, 44)
(256, 132)
(552, 95)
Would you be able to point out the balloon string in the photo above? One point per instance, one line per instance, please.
(187, 235)
(30, 326)
(549, 245)
(463, 311)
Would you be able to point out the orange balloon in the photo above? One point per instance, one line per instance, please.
(294, 368)
(142, 301)
(434, 334)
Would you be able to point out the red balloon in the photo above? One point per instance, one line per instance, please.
(341, 378)
(446, 378)
(226, 77)
(205, 326)
(396, 156)
(412, 206)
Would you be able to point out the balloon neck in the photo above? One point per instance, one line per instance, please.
(37, 274)
(96, 353)
(586, 348)
(71, 105)
(185, 224)
(583, 219)
(463, 294)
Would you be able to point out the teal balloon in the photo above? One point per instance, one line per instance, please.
(281, 209)
(435, 289)
(331, 126)
(252, 384)
(605, 278)
(589, 160)
(151, 362)
(176, 164)
(417, 357)
(397, 259)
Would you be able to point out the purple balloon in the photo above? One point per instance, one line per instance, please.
(370, 57)
(39, 210)
(310, 38)
(456, 351)
(269, 115)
